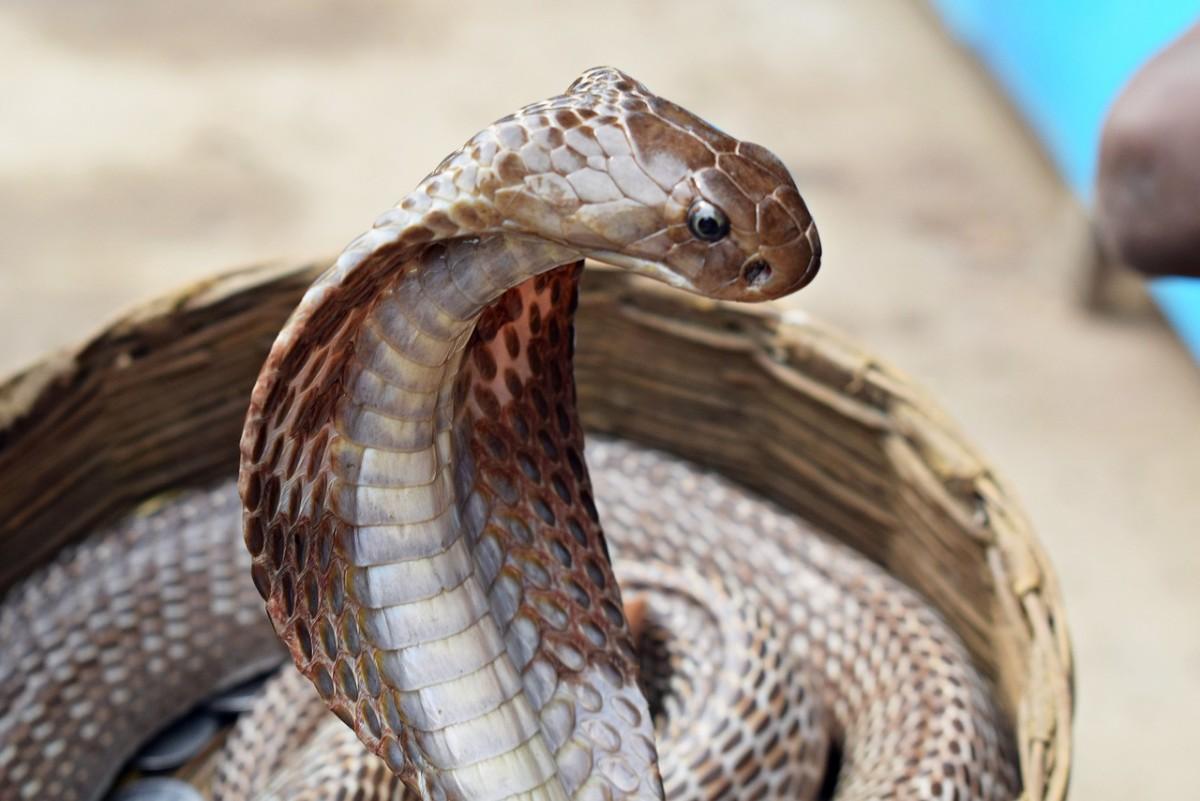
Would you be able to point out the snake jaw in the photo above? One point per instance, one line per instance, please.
(646, 267)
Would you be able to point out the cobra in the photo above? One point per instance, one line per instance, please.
(425, 530)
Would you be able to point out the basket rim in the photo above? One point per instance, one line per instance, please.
(793, 348)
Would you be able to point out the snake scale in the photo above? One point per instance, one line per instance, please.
(425, 529)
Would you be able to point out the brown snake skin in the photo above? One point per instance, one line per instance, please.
(422, 523)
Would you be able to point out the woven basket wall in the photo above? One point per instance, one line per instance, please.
(156, 402)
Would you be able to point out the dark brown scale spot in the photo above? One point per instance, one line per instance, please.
(595, 574)
(533, 354)
(535, 319)
(279, 386)
(346, 680)
(701, 760)
(543, 510)
(337, 592)
(350, 635)
(530, 469)
(391, 711)
(560, 553)
(304, 640)
(712, 776)
(318, 410)
(489, 404)
(260, 444)
(554, 329)
(513, 382)
(577, 532)
(276, 544)
(271, 496)
(573, 303)
(312, 594)
(612, 613)
(320, 677)
(325, 537)
(254, 536)
(589, 505)
(285, 405)
(299, 548)
(564, 419)
(484, 362)
(578, 594)
(394, 757)
(262, 582)
(548, 446)
(512, 343)
(496, 446)
(293, 505)
(560, 488)
(793, 731)
(328, 639)
(289, 594)
(775, 762)
(371, 719)
(760, 793)
(518, 530)
(539, 403)
(554, 376)
(520, 425)
(293, 463)
(370, 674)
(575, 463)
(595, 636)
(503, 486)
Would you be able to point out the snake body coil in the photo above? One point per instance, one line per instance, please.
(422, 523)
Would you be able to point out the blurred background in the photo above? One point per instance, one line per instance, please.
(145, 145)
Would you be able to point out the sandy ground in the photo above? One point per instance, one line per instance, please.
(146, 144)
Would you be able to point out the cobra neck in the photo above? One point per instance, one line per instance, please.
(399, 403)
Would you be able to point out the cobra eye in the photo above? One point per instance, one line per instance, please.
(707, 222)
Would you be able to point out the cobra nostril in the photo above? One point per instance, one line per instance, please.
(756, 273)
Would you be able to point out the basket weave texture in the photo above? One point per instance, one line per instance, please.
(155, 402)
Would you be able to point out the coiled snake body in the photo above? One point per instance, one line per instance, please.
(422, 523)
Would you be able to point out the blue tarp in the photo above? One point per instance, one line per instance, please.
(1063, 63)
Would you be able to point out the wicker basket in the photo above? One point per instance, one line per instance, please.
(156, 402)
